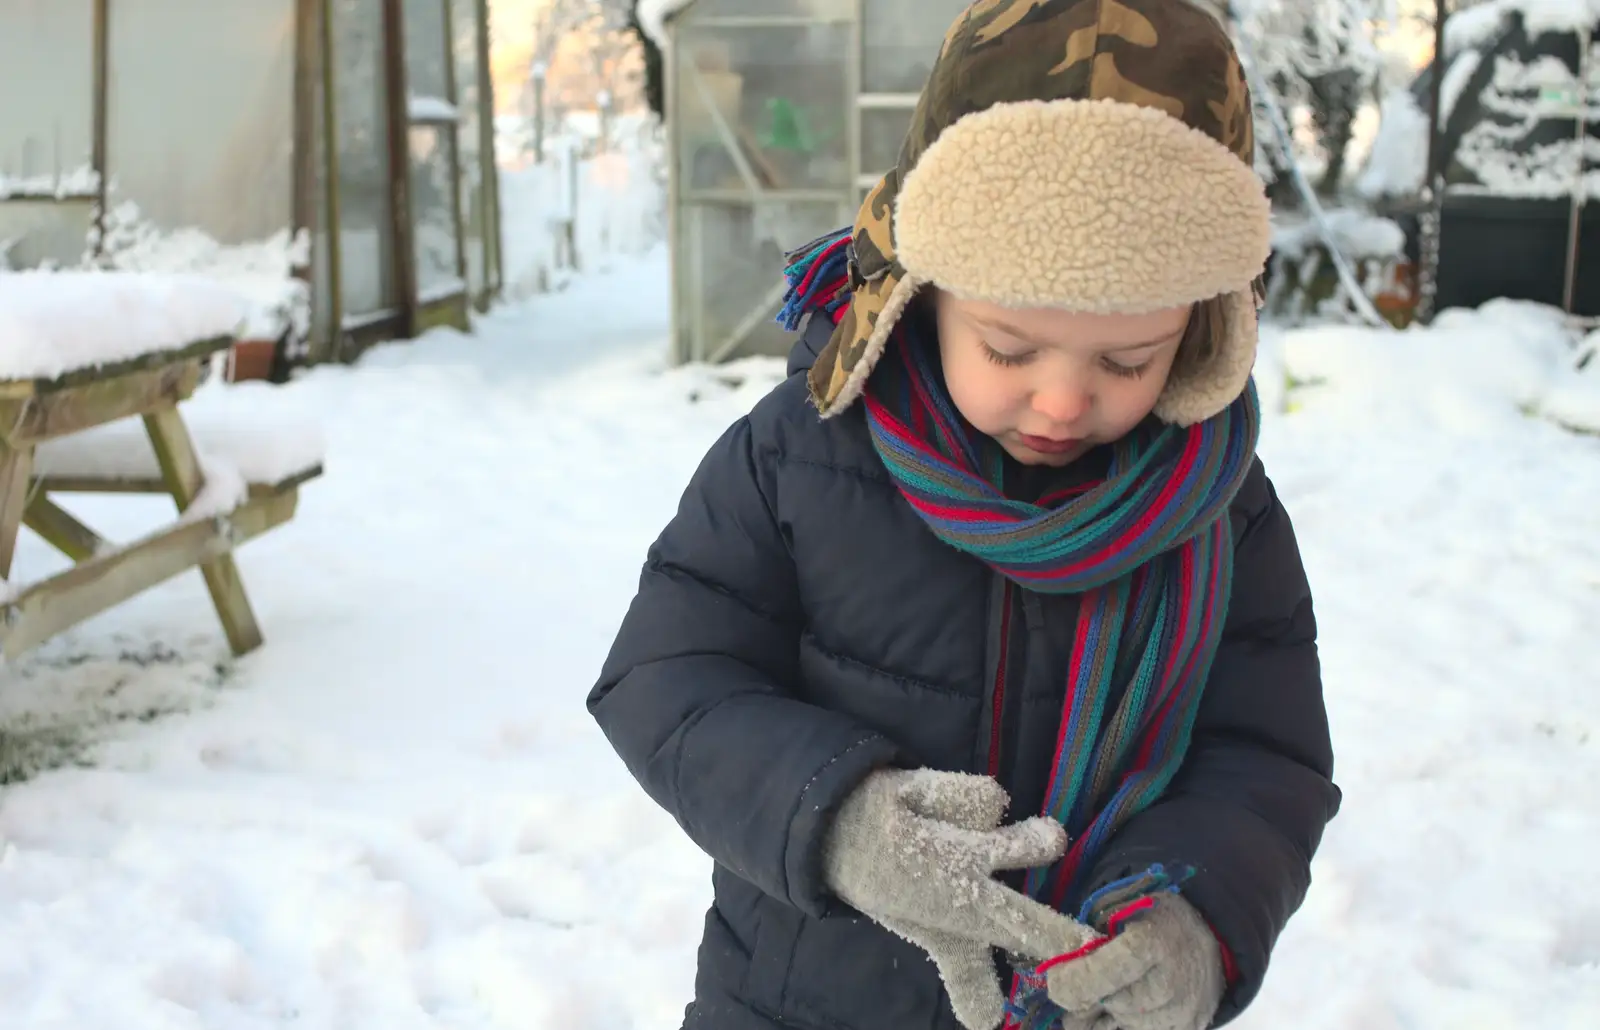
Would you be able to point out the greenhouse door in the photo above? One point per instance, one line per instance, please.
(431, 120)
(372, 304)
(401, 262)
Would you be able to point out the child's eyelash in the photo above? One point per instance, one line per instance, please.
(1125, 371)
(1005, 360)
(1013, 360)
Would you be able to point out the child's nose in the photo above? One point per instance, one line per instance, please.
(1063, 403)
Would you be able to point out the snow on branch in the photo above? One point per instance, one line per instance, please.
(1480, 25)
(1521, 95)
(1307, 39)
(1319, 57)
(654, 15)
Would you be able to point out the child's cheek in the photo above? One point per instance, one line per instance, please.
(987, 396)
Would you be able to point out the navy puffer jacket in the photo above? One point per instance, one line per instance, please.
(797, 625)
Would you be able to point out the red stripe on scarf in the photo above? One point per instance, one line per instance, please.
(1169, 489)
(966, 515)
(1186, 462)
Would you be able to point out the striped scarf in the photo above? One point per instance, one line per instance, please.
(1149, 547)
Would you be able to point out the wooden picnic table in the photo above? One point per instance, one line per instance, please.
(36, 411)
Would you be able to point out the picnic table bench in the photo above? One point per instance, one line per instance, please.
(115, 426)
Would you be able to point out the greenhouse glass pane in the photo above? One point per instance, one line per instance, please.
(464, 38)
(427, 39)
(882, 132)
(432, 216)
(733, 260)
(900, 40)
(764, 106)
(47, 103)
(200, 114)
(821, 10)
(366, 220)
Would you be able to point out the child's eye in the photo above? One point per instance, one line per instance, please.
(1005, 360)
(1126, 371)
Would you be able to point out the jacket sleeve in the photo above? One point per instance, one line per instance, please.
(696, 694)
(1248, 807)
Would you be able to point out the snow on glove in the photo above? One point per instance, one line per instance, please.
(1161, 971)
(916, 851)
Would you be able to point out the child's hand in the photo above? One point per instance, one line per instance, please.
(917, 852)
(1162, 971)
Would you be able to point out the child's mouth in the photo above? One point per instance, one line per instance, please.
(1049, 445)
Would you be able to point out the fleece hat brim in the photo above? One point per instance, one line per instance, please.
(1122, 198)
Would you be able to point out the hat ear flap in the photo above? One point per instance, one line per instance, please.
(1213, 366)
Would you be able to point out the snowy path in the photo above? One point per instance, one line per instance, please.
(397, 814)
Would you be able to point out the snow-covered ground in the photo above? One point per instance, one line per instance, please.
(398, 815)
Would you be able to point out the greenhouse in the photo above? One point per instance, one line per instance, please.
(330, 158)
(781, 114)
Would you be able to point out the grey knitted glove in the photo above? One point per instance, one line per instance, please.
(1162, 971)
(915, 851)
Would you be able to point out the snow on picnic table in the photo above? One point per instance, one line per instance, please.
(398, 815)
(52, 323)
(246, 427)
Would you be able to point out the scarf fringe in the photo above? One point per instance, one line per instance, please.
(819, 278)
(1029, 1006)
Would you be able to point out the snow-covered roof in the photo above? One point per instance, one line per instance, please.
(52, 323)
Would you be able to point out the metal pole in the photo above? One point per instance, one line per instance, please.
(855, 75)
(332, 347)
(683, 328)
(1431, 218)
(101, 124)
(494, 233)
(1436, 91)
(538, 112)
(398, 125)
(1579, 188)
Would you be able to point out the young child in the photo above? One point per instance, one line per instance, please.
(1001, 542)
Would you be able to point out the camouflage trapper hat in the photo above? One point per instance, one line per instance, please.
(1094, 155)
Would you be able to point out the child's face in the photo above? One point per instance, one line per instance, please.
(1050, 384)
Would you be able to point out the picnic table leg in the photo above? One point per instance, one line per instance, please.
(180, 468)
(61, 529)
(16, 465)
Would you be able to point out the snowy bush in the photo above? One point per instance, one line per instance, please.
(1398, 161)
(1509, 145)
(262, 273)
(1495, 150)
(1304, 285)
